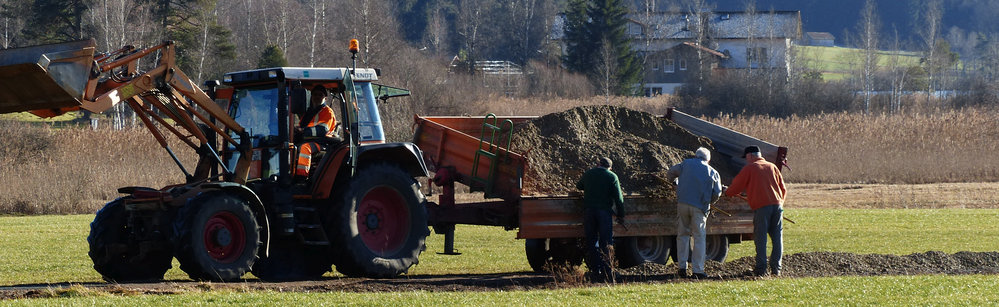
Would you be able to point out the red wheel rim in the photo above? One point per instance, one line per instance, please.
(383, 220)
(224, 237)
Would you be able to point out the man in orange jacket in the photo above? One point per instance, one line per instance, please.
(764, 187)
(318, 121)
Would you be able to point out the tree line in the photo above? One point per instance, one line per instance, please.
(427, 45)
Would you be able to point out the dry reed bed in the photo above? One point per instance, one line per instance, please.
(75, 170)
(942, 146)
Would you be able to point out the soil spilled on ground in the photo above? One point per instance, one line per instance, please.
(811, 264)
(561, 146)
(827, 264)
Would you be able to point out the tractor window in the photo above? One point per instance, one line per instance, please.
(368, 120)
(256, 110)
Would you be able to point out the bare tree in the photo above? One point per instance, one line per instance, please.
(930, 34)
(868, 30)
(898, 74)
(751, 20)
(318, 25)
(606, 69)
(697, 22)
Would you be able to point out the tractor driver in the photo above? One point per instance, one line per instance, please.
(318, 121)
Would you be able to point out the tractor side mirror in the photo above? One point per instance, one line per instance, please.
(299, 101)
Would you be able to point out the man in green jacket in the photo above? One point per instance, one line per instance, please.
(601, 192)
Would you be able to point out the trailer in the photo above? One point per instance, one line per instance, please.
(475, 151)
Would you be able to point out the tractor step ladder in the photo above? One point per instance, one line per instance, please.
(489, 145)
(308, 226)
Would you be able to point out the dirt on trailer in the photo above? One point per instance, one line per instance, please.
(561, 146)
(811, 264)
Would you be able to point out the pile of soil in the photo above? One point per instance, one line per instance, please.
(561, 146)
(826, 264)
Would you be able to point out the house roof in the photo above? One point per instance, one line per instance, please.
(720, 25)
(820, 35)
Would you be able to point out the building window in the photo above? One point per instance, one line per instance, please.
(668, 66)
(757, 57)
(655, 65)
(683, 64)
(653, 91)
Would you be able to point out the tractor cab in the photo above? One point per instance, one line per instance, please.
(272, 102)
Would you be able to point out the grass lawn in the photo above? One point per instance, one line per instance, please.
(837, 63)
(53, 249)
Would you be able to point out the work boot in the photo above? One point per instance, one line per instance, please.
(760, 273)
(700, 276)
(681, 273)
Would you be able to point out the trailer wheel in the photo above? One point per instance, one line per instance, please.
(716, 248)
(217, 238)
(380, 228)
(291, 260)
(117, 258)
(632, 251)
(549, 255)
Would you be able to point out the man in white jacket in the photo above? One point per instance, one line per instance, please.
(698, 185)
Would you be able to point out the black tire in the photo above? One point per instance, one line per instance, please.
(117, 258)
(293, 261)
(548, 255)
(632, 251)
(217, 237)
(715, 248)
(380, 228)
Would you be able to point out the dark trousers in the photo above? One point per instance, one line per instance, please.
(768, 221)
(599, 232)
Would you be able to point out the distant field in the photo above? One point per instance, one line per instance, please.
(837, 63)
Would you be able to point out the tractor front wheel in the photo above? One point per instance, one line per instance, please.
(380, 228)
(217, 238)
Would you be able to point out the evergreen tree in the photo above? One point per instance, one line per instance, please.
(54, 21)
(595, 31)
(579, 47)
(272, 57)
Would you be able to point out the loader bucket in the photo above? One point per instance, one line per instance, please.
(45, 77)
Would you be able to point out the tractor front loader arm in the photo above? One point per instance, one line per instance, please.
(98, 83)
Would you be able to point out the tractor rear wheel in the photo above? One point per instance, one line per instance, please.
(118, 258)
(380, 228)
(217, 238)
(632, 251)
(550, 255)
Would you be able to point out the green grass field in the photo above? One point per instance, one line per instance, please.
(53, 249)
(837, 63)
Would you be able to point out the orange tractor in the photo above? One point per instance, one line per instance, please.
(241, 207)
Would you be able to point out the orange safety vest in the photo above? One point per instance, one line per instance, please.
(323, 119)
(305, 158)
